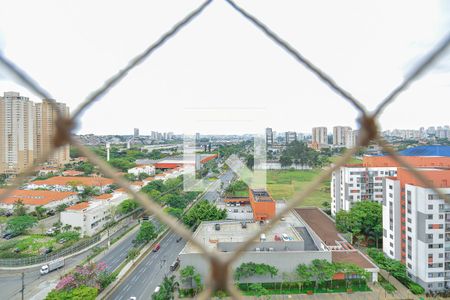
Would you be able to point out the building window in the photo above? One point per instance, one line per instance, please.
(430, 217)
(430, 206)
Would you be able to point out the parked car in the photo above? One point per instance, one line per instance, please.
(16, 250)
(62, 241)
(174, 265)
(47, 250)
(11, 235)
(6, 234)
(50, 231)
(217, 226)
(157, 247)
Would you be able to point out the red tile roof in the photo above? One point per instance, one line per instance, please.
(72, 173)
(103, 197)
(78, 206)
(354, 256)
(67, 180)
(35, 197)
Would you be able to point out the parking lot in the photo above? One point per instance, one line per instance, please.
(234, 212)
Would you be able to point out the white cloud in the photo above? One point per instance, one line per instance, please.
(221, 61)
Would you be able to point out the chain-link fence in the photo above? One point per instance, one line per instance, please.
(220, 274)
(34, 260)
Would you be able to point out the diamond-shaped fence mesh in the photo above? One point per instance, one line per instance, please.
(220, 275)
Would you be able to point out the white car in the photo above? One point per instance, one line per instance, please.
(132, 298)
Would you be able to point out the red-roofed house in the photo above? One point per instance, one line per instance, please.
(66, 183)
(31, 199)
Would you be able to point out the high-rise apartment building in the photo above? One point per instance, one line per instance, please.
(136, 132)
(16, 133)
(351, 138)
(339, 135)
(290, 136)
(320, 136)
(416, 222)
(45, 128)
(269, 137)
(416, 226)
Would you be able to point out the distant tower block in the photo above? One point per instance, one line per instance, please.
(129, 144)
(108, 146)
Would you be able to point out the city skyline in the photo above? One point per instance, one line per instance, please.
(187, 90)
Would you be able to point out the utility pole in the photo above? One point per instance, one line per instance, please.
(23, 284)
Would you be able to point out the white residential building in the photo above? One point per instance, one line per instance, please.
(147, 169)
(416, 227)
(93, 215)
(339, 135)
(351, 184)
(351, 138)
(320, 136)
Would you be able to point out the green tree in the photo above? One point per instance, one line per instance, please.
(304, 275)
(123, 164)
(19, 208)
(61, 207)
(203, 211)
(364, 217)
(127, 206)
(133, 253)
(146, 233)
(167, 289)
(79, 293)
(285, 161)
(40, 211)
(258, 289)
(20, 224)
(189, 275)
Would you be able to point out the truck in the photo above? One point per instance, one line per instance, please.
(51, 266)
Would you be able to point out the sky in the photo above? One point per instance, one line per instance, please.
(220, 74)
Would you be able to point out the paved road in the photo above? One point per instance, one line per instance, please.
(141, 283)
(10, 281)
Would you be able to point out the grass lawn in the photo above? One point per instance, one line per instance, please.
(33, 244)
(3, 219)
(240, 193)
(353, 160)
(282, 184)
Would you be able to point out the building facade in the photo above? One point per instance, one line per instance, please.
(339, 135)
(26, 132)
(416, 226)
(320, 136)
(16, 133)
(290, 136)
(351, 184)
(351, 138)
(269, 137)
(45, 123)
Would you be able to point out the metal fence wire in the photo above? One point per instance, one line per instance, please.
(220, 278)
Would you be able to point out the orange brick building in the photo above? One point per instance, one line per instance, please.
(262, 204)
